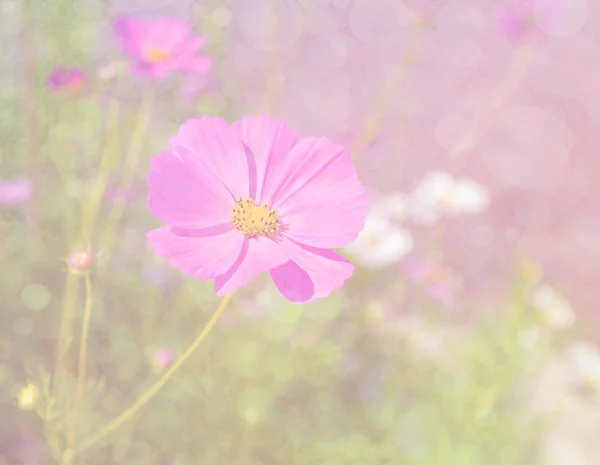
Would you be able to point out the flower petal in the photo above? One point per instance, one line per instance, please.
(318, 195)
(270, 140)
(257, 256)
(131, 33)
(138, 36)
(183, 194)
(200, 256)
(168, 33)
(15, 191)
(218, 150)
(311, 273)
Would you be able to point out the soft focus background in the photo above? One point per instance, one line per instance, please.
(468, 333)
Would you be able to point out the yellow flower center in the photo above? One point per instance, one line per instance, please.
(28, 397)
(156, 55)
(255, 220)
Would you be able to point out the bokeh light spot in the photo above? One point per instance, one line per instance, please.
(561, 18)
(267, 28)
(252, 403)
(23, 326)
(379, 23)
(35, 296)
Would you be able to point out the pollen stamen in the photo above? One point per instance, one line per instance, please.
(156, 55)
(255, 220)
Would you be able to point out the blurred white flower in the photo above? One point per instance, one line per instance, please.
(393, 206)
(530, 339)
(380, 243)
(585, 365)
(552, 308)
(111, 70)
(441, 194)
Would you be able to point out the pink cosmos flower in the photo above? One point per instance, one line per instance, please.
(251, 197)
(161, 46)
(72, 80)
(15, 191)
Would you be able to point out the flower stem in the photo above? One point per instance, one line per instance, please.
(372, 125)
(149, 393)
(509, 83)
(85, 327)
(27, 53)
(132, 159)
(65, 331)
(90, 212)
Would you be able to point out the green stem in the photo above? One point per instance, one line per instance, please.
(132, 160)
(85, 329)
(149, 393)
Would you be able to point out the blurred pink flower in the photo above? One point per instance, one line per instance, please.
(71, 80)
(251, 197)
(515, 19)
(159, 47)
(439, 282)
(116, 195)
(163, 358)
(15, 191)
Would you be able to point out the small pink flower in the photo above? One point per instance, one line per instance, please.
(162, 358)
(81, 260)
(126, 196)
(159, 47)
(15, 191)
(439, 282)
(193, 87)
(251, 197)
(71, 80)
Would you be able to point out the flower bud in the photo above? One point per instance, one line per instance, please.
(81, 260)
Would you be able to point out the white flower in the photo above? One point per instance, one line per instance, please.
(393, 206)
(585, 364)
(111, 70)
(380, 243)
(441, 194)
(553, 309)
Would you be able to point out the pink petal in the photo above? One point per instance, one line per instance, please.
(183, 193)
(218, 150)
(168, 33)
(270, 140)
(198, 255)
(132, 35)
(317, 193)
(258, 255)
(15, 191)
(137, 36)
(198, 64)
(190, 46)
(311, 273)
